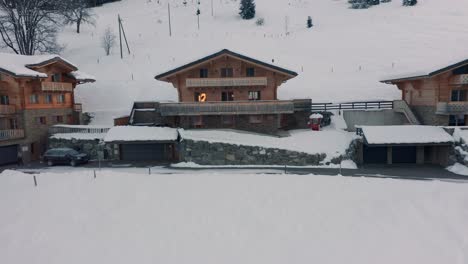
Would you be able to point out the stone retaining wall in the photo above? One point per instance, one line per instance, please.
(90, 147)
(206, 153)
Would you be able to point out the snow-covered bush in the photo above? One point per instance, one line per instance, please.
(260, 22)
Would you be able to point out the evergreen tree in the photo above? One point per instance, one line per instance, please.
(309, 22)
(410, 2)
(247, 9)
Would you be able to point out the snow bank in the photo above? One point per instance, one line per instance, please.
(406, 134)
(141, 133)
(345, 164)
(333, 143)
(459, 169)
(214, 218)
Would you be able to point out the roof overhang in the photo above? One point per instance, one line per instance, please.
(225, 52)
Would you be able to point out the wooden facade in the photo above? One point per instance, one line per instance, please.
(229, 90)
(30, 105)
(438, 98)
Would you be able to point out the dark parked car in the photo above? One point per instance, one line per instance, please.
(65, 156)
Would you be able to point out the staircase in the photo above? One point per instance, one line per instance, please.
(401, 106)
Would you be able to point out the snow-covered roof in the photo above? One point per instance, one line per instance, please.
(82, 77)
(22, 66)
(380, 135)
(315, 116)
(425, 73)
(140, 133)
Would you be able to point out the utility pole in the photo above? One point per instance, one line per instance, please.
(120, 37)
(212, 9)
(169, 14)
(125, 37)
(198, 18)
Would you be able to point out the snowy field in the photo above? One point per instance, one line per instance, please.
(229, 218)
(341, 58)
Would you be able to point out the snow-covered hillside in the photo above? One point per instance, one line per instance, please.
(229, 218)
(341, 58)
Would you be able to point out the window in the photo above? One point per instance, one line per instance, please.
(48, 98)
(255, 95)
(458, 95)
(250, 72)
(56, 77)
(461, 70)
(41, 120)
(227, 96)
(4, 100)
(60, 99)
(13, 124)
(456, 120)
(255, 119)
(33, 99)
(58, 119)
(203, 73)
(200, 97)
(226, 72)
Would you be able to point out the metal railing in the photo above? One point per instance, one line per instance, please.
(445, 108)
(324, 107)
(459, 79)
(227, 108)
(65, 129)
(223, 82)
(10, 134)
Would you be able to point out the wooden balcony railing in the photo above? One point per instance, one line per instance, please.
(227, 108)
(56, 87)
(7, 109)
(459, 79)
(447, 108)
(11, 134)
(223, 82)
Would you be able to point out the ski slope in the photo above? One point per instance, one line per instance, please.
(342, 58)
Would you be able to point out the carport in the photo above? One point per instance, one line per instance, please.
(139, 143)
(404, 145)
(8, 154)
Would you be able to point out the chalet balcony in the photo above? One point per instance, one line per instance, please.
(56, 87)
(444, 108)
(459, 79)
(226, 82)
(78, 108)
(7, 109)
(11, 134)
(227, 108)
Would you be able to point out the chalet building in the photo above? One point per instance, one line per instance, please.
(35, 93)
(439, 97)
(225, 90)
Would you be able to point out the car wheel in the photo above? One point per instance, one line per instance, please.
(50, 163)
(73, 163)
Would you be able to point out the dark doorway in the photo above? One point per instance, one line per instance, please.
(375, 155)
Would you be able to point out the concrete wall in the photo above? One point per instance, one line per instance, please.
(427, 116)
(373, 118)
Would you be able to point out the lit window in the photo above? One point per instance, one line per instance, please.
(200, 97)
(254, 95)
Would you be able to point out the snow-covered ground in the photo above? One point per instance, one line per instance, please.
(229, 218)
(341, 58)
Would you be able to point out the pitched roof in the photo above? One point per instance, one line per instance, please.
(424, 74)
(23, 66)
(226, 52)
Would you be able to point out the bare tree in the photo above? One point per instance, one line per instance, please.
(30, 26)
(78, 12)
(108, 40)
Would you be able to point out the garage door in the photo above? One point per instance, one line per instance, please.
(375, 155)
(404, 155)
(142, 152)
(8, 155)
